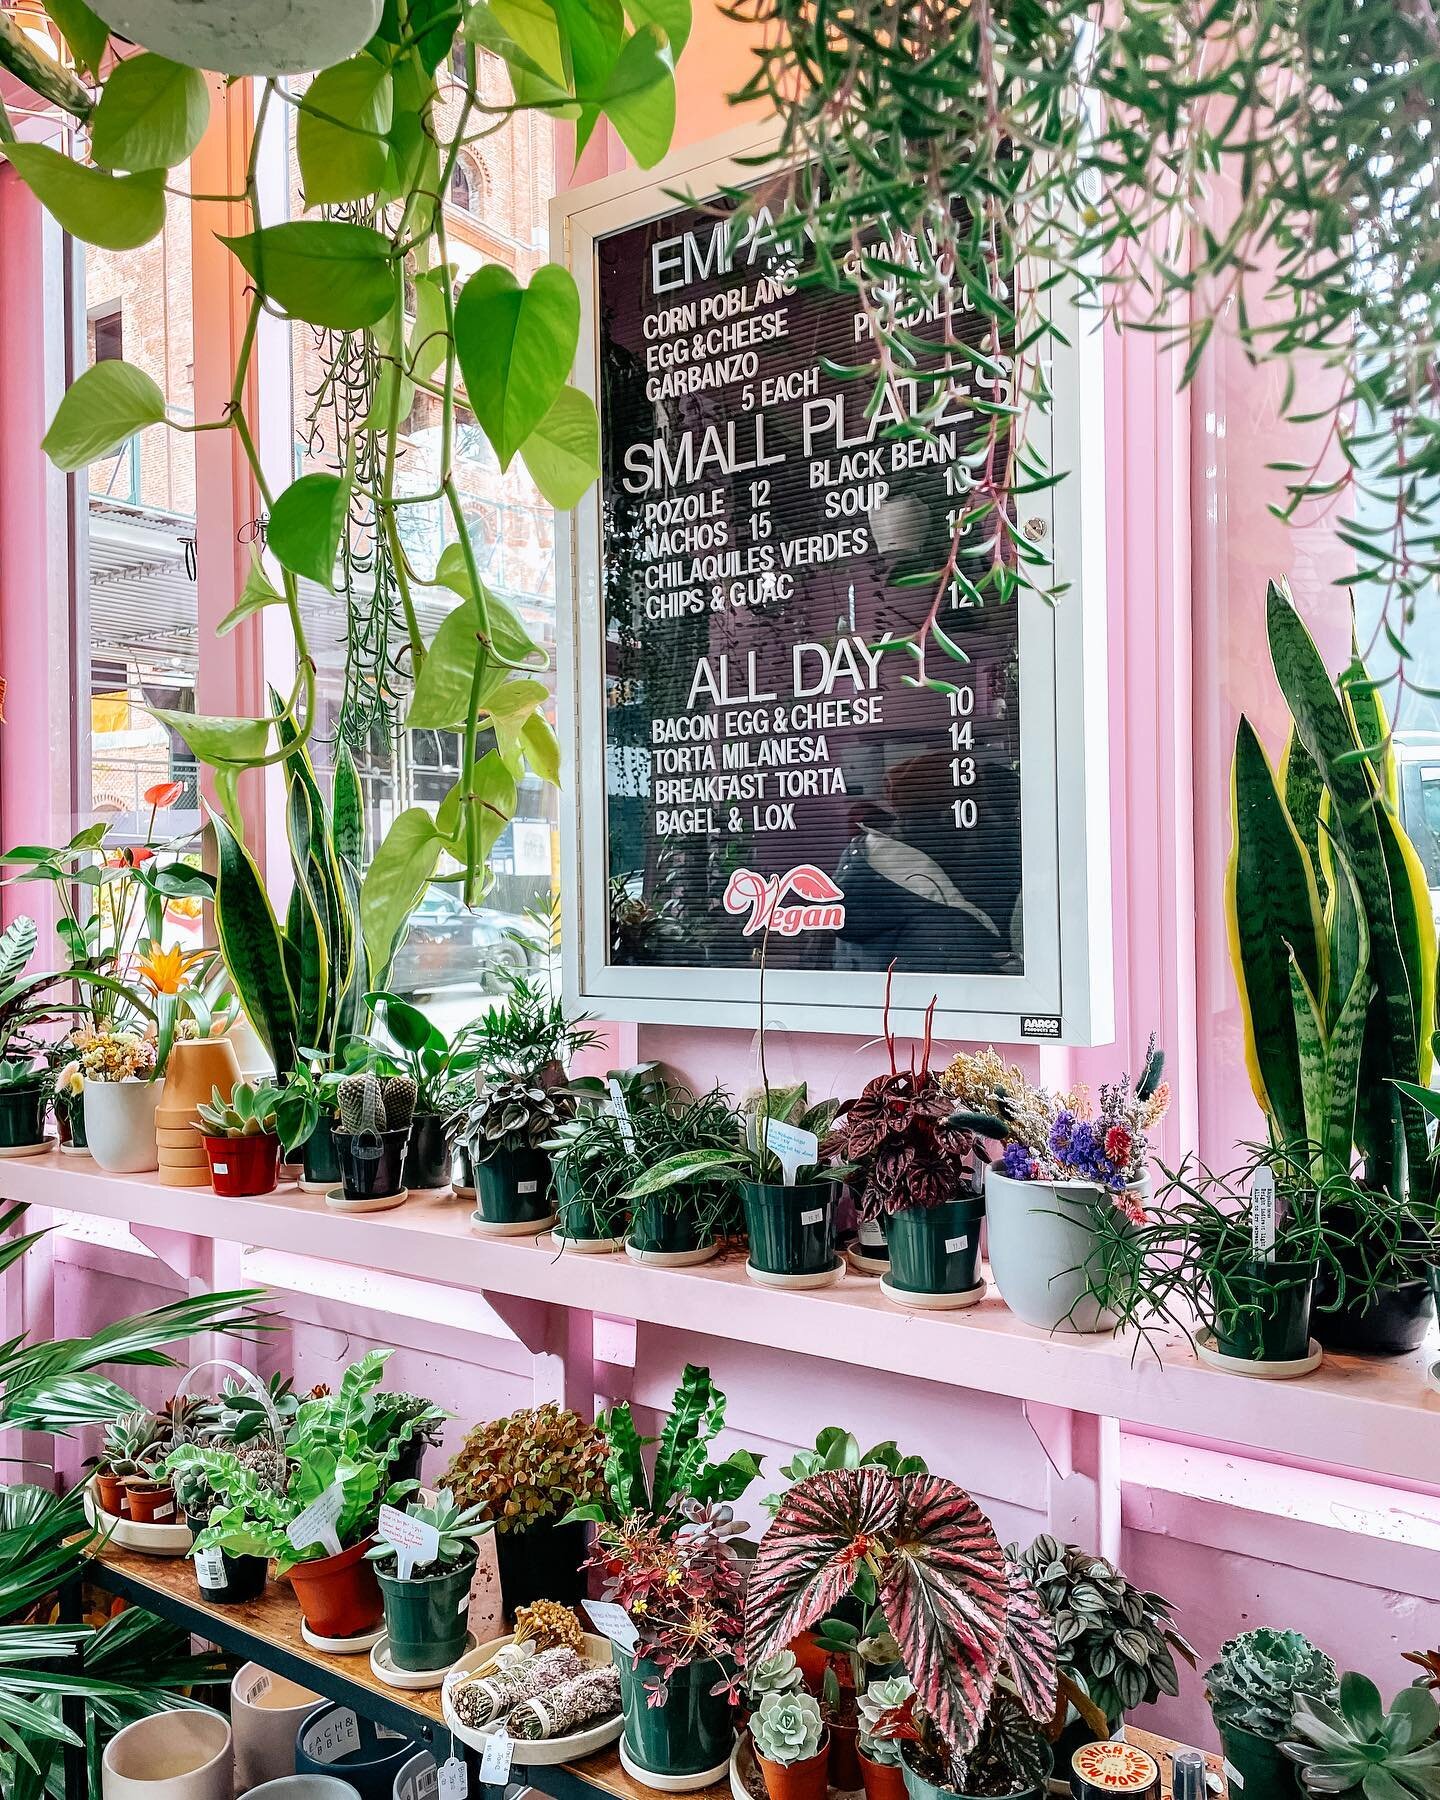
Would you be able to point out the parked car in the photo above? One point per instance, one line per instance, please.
(449, 946)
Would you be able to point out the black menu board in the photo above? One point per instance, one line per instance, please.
(770, 774)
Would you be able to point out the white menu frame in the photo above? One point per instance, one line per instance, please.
(1066, 992)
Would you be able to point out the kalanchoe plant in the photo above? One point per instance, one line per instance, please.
(529, 1467)
(458, 1527)
(787, 1727)
(1115, 1642)
(1260, 1678)
(1356, 1747)
(248, 1112)
(513, 1114)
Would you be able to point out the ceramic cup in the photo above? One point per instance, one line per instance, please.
(304, 1787)
(418, 1779)
(183, 1755)
(266, 1711)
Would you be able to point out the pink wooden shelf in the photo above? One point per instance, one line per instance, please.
(1366, 1414)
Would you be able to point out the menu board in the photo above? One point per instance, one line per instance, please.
(753, 779)
(771, 773)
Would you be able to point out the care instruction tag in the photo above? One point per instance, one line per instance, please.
(796, 1149)
(612, 1621)
(496, 1757)
(413, 1539)
(1262, 1215)
(621, 1108)
(454, 1781)
(316, 1525)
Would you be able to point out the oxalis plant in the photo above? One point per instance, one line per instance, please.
(958, 161)
(368, 265)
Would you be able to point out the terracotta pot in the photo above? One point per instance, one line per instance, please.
(808, 1780)
(812, 1659)
(151, 1502)
(339, 1595)
(120, 1125)
(170, 1756)
(883, 1781)
(266, 1711)
(196, 1067)
(241, 1166)
(111, 1496)
(845, 1756)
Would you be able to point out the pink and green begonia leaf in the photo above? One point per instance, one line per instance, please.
(1030, 1654)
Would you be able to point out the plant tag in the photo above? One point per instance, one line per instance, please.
(316, 1525)
(796, 1149)
(1262, 1215)
(612, 1621)
(220, 1168)
(496, 1757)
(621, 1107)
(210, 1567)
(333, 1735)
(390, 1734)
(954, 1244)
(454, 1782)
(815, 1216)
(1233, 1778)
(414, 1540)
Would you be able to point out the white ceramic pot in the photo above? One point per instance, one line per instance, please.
(307, 1787)
(266, 1712)
(120, 1124)
(1041, 1235)
(182, 1755)
(418, 1779)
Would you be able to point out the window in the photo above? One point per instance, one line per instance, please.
(461, 192)
(107, 335)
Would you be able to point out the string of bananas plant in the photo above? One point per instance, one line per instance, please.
(367, 264)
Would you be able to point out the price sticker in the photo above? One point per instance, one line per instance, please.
(496, 1758)
(454, 1781)
(815, 1216)
(210, 1567)
(526, 1187)
(796, 1149)
(414, 1540)
(316, 1525)
(954, 1244)
(621, 1108)
(1262, 1215)
(612, 1621)
(220, 1168)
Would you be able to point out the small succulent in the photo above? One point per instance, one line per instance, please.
(134, 1444)
(244, 1415)
(778, 1674)
(1356, 1747)
(248, 1112)
(1115, 1642)
(370, 1102)
(267, 1464)
(514, 1113)
(787, 1727)
(19, 1075)
(192, 1419)
(458, 1526)
(531, 1466)
(193, 1493)
(1262, 1676)
(881, 1701)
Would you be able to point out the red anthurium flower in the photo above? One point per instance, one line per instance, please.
(164, 793)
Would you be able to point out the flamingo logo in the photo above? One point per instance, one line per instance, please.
(761, 896)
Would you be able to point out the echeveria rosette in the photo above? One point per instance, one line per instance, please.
(787, 1727)
(778, 1674)
(882, 1701)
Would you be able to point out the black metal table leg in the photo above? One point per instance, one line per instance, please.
(72, 1707)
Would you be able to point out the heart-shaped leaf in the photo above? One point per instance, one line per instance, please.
(340, 134)
(87, 36)
(152, 114)
(257, 593)
(638, 96)
(117, 212)
(321, 270)
(398, 874)
(562, 453)
(305, 526)
(216, 739)
(515, 345)
(101, 410)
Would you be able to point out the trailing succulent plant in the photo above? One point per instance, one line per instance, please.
(457, 1526)
(1262, 1676)
(787, 1726)
(370, 1102)
(1356, 1747)
(406, 1417)
(514, 1113)
(1115, 1642)
(248, 1111)
(531, 1466)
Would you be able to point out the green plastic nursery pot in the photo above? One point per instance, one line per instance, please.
(656, 1230)
(1266, 1315)
(318, 1161)
(791, 1229)
(339, 1595)
(22, 1116)
(1392, 1321)
(935, 1249)
(425, 1617)
(427, 1159)
(372, 1163)
(513, 1187)
(542, 1563)
(575, 1215)
(693, 1731)
(918, 1788)
(1256, 1769)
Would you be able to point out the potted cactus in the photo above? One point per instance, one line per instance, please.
(506, 1128)
(24, 1095)
(792, 1745)
(1254, 1690)
(374, 1134)
(240, 1139)
(426, 1606)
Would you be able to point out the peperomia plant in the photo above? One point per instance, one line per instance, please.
(368, 265)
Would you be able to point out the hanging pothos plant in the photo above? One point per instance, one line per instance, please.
(368, 264)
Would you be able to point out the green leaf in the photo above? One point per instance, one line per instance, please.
(683, 1169)
(321, 270)
(515, 345)
(594, 31)
(398, 874)
(305, 525)
(508, 710)
(541, 747)
(336, 163)
(241, 742)
(533, 26)
(87, 36)
(496, 796)
(509, 634)
(409, 1027)
(562, 453)
(117, 212)
(532, 84)
(256, 594)
(429, 337)
(441, 700)
(100, 411)
(638, 96)
(672, 16)
(252, 947)
(152, 114)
